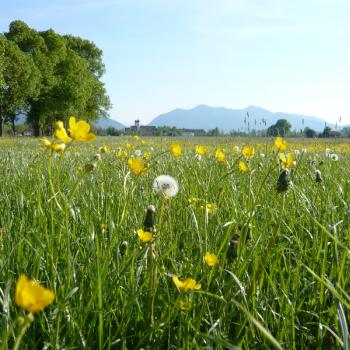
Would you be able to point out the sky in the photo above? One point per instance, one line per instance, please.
(285, 56)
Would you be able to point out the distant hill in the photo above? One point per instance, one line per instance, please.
(206, 117)
(105, 123)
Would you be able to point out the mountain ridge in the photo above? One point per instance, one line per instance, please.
(207, 117)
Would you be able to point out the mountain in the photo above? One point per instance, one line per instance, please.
(226, 119)
(105, 123)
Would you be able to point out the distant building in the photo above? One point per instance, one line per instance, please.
(134, 128)
(27, 132)
(333, 133)
(144, 130)
(137, 124)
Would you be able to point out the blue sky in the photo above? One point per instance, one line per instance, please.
(289, 56)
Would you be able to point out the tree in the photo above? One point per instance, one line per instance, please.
(310, 133)
(214, 132)
(326, 131)
(19, 81)
(69, 69)
(112, 131)
(98, 102)
(2, 59)
(46, 50)
(89, 52)
(281, 128)
(345, 131)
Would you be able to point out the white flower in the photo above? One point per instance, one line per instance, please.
(166, 185)
(304, 150)
(296, 152)
(138, 153)
(334, 157)
(328, 152)
(198, 156)
(236, 149)
(262, 155)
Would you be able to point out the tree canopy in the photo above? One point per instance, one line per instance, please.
(20, 79)
(281, 128)
(310, 133)
(50, 76)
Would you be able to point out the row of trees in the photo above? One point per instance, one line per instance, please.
(49, 76)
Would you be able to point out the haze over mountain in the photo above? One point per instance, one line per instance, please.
(226, 119)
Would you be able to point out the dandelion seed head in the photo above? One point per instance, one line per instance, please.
(151, 208)
(166, 185)
(334, 157)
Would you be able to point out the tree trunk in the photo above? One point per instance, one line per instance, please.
(36, 128)
(13, 127)
(2, 119)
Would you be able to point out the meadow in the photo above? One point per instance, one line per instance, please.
(245, 255)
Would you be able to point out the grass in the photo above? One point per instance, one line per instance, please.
(288, 288)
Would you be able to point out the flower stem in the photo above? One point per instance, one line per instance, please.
(26, 324)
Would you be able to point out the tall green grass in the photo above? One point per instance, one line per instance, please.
(288, 288)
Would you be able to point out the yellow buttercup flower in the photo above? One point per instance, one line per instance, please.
(104, 149)
(210, 207)
(146, 155)
(248, 151)
(45, 142)
(211, 259)
(53, 146)
(121, 154)
(243, 166)
(280, 144)
(31, 296)
(219, 155)
(193, 200)
(137, 166)
(144, 235)
(176, 150)
(58, 147)
(61, 133)
(136, 137)
(59, 124)
(80, 131)
(289, 161)
(187, 284)
(200, 150)
(143, 142)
